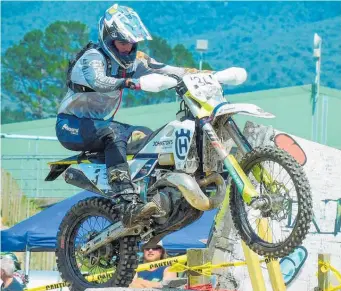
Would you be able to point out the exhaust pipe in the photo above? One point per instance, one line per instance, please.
(219, 181)
(190, 189)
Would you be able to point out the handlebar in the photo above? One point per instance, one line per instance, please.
(157, 83)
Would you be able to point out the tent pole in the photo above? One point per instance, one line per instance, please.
(27, 262)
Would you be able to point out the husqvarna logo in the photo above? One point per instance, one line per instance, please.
(182, 141)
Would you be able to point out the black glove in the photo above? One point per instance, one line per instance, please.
(132, 84)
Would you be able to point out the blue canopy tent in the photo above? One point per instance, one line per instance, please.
(38, 233)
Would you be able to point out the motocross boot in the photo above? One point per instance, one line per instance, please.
(133, 209)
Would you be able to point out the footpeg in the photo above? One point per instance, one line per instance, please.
(138, 212)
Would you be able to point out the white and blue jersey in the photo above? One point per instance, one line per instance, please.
(91, 71)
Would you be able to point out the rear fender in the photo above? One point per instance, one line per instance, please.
(55, 171)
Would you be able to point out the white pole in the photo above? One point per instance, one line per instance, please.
(200, 63)
(202, 46)
(27, 261)
(316, 93)
(31, 137)
(315, 120)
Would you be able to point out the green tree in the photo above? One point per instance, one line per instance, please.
(206, 66)
(160, 50)
(34, 71)
(183, 57)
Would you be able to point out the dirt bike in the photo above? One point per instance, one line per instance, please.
(180, 167)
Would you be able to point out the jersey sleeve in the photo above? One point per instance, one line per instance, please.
(94, 71)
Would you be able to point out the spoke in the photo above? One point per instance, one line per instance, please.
(103, 223)
(273, 168)
(87, 264)
(81, 237)
(283, 186)
(90, 269)
(287, 181)
(278, 174)
(81, 264)
(102, 270)
(83, 227)
(261, 178)
(257, 225)
(95, 223)
(106, 223)
(267, 231)
(291, 188)
(97, 270)
(79, 233)
(253, 220)
(89, 222)
(254, 216)
(281, 229)
(272, 231)
(254, 213)
(269, 167)
(98, 224)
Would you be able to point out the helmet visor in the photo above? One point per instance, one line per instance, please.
(126, 25)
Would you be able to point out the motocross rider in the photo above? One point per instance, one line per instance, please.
(85, 120)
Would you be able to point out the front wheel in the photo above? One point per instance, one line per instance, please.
(113, 264)
(277, 230)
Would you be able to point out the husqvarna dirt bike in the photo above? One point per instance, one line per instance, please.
(180, 167)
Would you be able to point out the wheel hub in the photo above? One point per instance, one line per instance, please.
(271, 206)
(103, 255)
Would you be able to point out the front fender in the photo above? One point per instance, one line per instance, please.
(240, 108)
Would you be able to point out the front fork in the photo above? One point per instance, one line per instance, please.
(242, 182)
(260, 173)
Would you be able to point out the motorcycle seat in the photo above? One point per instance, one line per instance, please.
(135, 143)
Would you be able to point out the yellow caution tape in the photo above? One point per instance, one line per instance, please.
(177, 264)
(91, 278)
(326, 267)
(49, 287)
(162, 263)
(334, 288)
(205, 269)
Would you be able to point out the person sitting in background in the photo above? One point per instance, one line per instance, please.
(9, 283)
(18, 273)
(153, 278)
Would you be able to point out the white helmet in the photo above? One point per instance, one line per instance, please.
(121, 23)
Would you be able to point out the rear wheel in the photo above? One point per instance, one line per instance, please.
(276, 230)
(116, 262)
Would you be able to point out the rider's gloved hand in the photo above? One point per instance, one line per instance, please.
(133, 84)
